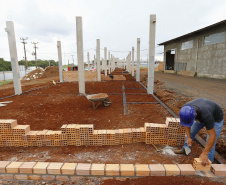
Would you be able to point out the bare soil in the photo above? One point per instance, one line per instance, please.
(182, 180)
(54, 105)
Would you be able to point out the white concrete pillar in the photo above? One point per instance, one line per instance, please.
(94, 61)
(88, 61)
(98, 60)
(60, 60)
(151, 62)
(105, 61)
(130, 68)
(138, 61)
(132, 61)
(109, 62)
(124, 63)
(13, 56)
(81, 79)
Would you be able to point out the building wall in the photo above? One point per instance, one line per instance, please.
(206, 60)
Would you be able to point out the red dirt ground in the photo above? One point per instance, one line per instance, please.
(182, 180)
(55, 105)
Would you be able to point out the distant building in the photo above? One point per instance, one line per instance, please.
(202, 52)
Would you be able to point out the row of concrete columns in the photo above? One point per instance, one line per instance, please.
(129, 62)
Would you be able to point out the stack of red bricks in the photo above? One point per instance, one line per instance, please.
(12, 134)
(170, 133)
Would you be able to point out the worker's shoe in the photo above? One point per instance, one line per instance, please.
(181, 151)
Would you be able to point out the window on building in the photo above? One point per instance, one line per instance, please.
(187, 45)
(214, 38)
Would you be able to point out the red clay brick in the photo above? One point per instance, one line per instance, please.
(27, 167)
(218, 169)
(186, 169)
(3, 165)
(83, 169)
(48, 177)
(21, 177)
(34, 177)
(62, 178)
(7, 176)
(157, 170)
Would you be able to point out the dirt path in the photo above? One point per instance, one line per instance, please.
(213, 89)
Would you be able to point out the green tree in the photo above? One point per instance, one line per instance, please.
(5, 65)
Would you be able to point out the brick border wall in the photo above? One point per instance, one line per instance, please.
(56, 171)
(12, 134)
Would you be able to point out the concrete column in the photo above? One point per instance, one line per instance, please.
(98, 61)
(88, 61)
(138, 61)
(105, 61)
(111, 61)
(13, 56)
(60, 60)
(132, 61)
(151, 62)
(108, 66)
(81, 79)
(94, 61)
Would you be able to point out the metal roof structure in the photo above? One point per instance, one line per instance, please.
(194, 32)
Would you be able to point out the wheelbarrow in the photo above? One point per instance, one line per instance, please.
(99, 98)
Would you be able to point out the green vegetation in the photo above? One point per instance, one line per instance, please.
(5, 82)
(5, 65)
(40, 63)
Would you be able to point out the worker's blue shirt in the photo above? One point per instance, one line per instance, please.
(208, 112)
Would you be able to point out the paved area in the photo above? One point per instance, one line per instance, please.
(213, 89)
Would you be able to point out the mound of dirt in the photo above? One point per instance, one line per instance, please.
(51, 71)
(37, 73)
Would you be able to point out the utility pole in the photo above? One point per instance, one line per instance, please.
(35, 53)
(25, 56)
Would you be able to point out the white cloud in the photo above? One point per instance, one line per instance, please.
(116, 23)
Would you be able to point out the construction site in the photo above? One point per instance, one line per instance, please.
(110, 121)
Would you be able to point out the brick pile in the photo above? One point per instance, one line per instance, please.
(12, 134)
(171, 133)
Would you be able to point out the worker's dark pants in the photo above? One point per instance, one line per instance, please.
(198, 126)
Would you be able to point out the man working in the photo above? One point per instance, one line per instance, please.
(208, 114)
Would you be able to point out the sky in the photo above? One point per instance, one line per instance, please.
(117, 23)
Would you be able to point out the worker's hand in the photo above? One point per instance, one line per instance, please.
(189, 141)
(204, 159)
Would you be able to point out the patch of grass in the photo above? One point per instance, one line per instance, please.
(5, 82)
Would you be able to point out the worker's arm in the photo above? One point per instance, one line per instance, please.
(188, 133)
(209, 145)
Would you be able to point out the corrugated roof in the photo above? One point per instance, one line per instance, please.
(194, 32)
